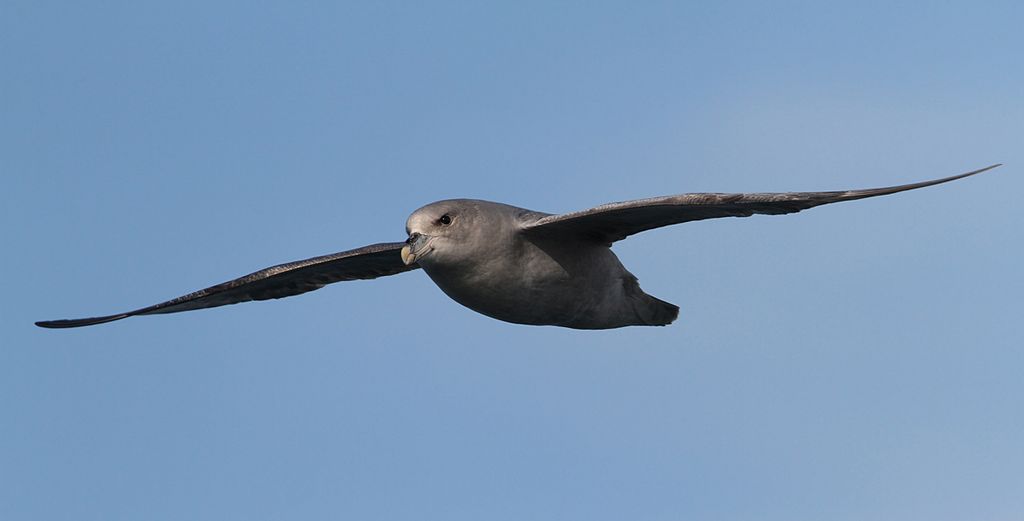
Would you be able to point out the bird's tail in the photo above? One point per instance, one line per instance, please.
(656, 312)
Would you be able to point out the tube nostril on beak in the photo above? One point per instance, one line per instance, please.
(412, 237)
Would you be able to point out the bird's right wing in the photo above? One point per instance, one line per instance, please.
(616, 221)
(283, 280)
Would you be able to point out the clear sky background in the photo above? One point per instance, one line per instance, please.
(857, 361)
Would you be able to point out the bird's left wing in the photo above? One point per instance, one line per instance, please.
(283, 280)
(616, 221)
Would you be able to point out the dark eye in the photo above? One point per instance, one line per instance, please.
(445, 219)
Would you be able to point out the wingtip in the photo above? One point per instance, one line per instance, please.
(959, 176)
(978, 171)
(79, 322)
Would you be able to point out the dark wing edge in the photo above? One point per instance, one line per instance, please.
(283, 280)
(616, 221)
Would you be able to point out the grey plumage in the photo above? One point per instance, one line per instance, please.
(514, 264)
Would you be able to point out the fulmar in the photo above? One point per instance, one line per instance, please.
(514, 264)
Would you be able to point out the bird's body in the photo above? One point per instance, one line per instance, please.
(514, 264)
(503, 272)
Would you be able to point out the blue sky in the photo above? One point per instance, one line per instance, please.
(858, 361)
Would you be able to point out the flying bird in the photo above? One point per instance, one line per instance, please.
(514, 264)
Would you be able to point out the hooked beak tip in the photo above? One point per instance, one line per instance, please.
(407, 256)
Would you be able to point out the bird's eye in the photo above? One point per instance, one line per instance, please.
(445, 219)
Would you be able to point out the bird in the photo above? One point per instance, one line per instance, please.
(513, 264)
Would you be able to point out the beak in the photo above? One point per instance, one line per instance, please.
(415, 247)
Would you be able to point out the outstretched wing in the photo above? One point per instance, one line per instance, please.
(283, 280)
(616, 221)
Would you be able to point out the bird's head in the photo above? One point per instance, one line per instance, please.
(437, 230)
(457, 232)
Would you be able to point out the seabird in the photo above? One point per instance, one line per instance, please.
(514, 264)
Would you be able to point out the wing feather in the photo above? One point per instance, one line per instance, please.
(616, 221)
(283, 280)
